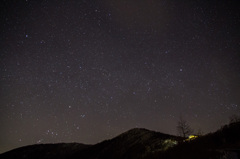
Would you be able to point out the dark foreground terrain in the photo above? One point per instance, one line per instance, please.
(141, 143)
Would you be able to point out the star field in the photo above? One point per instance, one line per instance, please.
(86, 71)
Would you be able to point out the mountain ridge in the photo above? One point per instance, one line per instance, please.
(140, 143)
(134, 143)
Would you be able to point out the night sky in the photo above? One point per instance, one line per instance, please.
(85, 71)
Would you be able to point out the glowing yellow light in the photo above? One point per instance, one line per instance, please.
(191, 137)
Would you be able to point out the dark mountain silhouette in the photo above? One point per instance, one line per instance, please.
(141, 143)
(135, 143)
(44, 151)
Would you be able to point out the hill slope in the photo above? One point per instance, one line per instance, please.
(224, 143)
(135, 143)
(44, 151)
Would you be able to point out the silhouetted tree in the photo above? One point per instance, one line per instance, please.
(183, 128)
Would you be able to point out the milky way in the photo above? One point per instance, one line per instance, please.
(86, 71)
